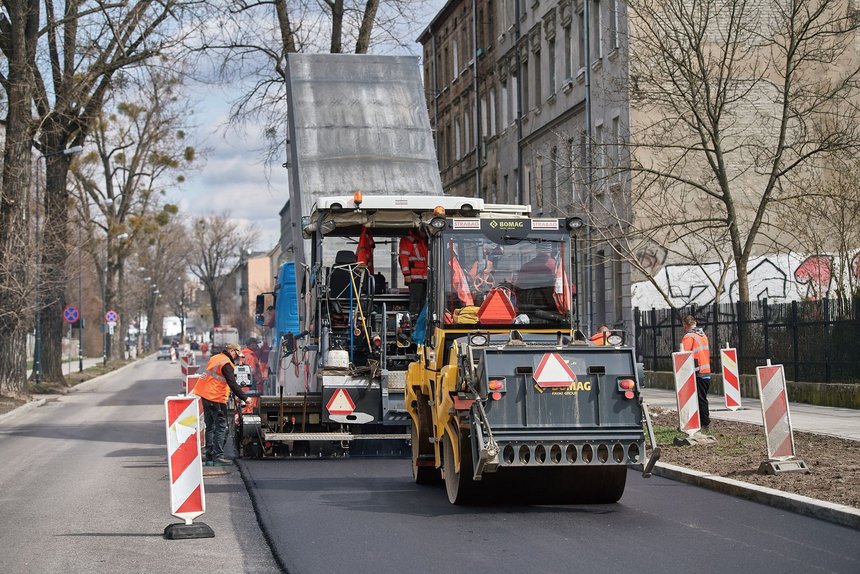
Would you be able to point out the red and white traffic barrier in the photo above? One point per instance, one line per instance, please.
(189, 382)
(731, 378)
(185, 467)
(685, 392)
(774, 410)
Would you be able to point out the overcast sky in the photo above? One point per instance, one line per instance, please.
(234, 177)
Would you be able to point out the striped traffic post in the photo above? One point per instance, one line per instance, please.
(189, 382)
(777, 422)
(685, 392)
(731, 378)
(185, 468)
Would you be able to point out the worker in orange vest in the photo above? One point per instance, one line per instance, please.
(599, 338)
(695, 340)
(214, 388)
(413, 265)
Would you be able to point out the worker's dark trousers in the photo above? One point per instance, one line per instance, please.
(702, 386)
(215, 417)
(417, 293)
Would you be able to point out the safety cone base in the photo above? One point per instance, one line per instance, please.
(182, 531)
(783, 466)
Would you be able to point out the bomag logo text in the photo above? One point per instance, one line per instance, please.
(507, 224)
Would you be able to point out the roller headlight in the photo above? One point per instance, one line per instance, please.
(615, 338)
(575, 223)
(479, 340)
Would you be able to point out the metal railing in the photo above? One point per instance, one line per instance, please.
(816, 341)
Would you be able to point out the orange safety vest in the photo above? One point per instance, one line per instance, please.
(698, 344)
(598, 339)
(413, 257)
(364, 251)
(213, 386)
(251, 360)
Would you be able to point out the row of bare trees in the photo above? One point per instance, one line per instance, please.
(107, 76)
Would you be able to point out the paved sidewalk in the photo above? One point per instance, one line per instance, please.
(833, 421)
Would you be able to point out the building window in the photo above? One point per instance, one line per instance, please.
(580, 25)
(599, 289)
(613, 25)
(616, 148)
(539, 187)
(599, 154)
(491, 31)
(551, 64)
(523, 8)
(596, 30)
(467, 132)
(618, 288)
(525, 88)
(515, 109)
(505, 196)
(457, 140)
(568, 52)
(553, 177)
(505, 101)
(456, 58)
(484, 112)
(492, 112)
(538, 80)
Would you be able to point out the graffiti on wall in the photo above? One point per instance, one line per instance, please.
(777, 278)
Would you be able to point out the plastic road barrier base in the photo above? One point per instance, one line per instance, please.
(783, 466)
(182, 531)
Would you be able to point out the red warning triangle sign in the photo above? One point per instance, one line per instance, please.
(497, 308)
(553, 371)
(340, 403)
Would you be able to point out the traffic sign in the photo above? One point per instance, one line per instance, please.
(111, 317)
(71, 314)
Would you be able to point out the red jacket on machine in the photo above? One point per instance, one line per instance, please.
(364, 251)
(413, 257)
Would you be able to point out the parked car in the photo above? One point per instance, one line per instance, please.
(163, 352)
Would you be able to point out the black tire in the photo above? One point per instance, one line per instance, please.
(423, 474)
(461, 487)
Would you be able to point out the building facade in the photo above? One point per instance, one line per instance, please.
(529, 103)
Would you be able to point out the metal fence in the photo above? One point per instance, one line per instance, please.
(816, 341)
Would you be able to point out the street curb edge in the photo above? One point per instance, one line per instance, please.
(22, 409)
(823, 510)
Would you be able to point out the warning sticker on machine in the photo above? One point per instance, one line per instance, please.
(554, 373)
(340, 403)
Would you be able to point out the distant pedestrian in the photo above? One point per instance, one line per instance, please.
(695, 340)
(214, 388)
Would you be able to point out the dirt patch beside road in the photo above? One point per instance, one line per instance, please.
(741, 447)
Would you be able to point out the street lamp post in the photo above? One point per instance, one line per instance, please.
(37, 344)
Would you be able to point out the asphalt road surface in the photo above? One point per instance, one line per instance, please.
(83, 487)
(366, 515)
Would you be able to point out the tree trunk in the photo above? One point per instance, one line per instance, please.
(364, 32)
(743, 278)
(216, 312)
(55, 253)
(336, 27)
(16, 304)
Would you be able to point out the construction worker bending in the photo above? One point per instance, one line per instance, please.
(413, 265)
(599, 338)
(214, 388)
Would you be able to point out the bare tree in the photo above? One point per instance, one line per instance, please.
(216, 244)
(138, 152)
(73, 60)
(18, 21)
(737, 101)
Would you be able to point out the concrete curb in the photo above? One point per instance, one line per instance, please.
(22, 409)
(836, 513)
